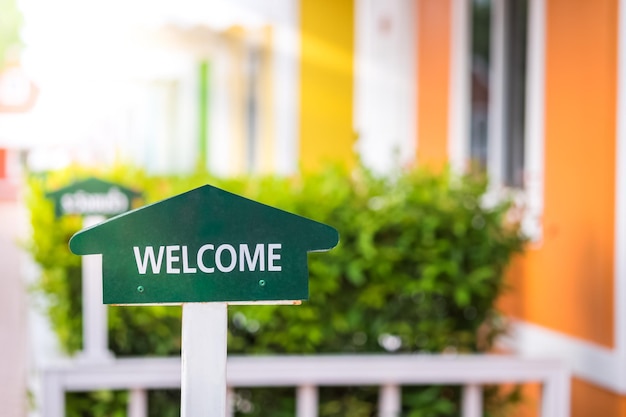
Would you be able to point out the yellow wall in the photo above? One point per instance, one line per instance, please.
(326, 83)
(433, 58)
(266, 133)
(237, 87)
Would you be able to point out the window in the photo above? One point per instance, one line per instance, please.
(498, 89)
(479, 82)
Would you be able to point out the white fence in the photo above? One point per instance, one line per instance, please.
(97, 369)
(307, 373)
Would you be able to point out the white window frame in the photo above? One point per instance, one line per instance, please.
(531, 197)
(385, 84)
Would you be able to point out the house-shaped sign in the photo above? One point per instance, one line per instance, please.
(205, 245)
(92, 196)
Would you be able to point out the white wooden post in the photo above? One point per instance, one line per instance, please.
(230, 401)
(472, 401)
(555, 401)
(137, 403)
(53, 395)
(389, 400)
(306, 401)
(95, 336)
(203, 373)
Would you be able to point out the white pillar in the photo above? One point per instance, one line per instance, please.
(203, 383)
(95, 336)
(306, 401)
(137, 403)
(389, 400)
(472, 401)
(52, 402)
(230, 401)
(555, 398)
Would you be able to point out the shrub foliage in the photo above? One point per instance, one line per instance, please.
(419, 266)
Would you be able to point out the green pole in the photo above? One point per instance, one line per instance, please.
(204, 73)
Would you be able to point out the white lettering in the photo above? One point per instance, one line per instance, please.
(201, 265)
(81, 202)
(170, 259)
(142, 264)
(265, 257)
(186, 268)
(271, 257)
(251, 261)
(218, 257)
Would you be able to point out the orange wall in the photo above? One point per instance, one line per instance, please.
(590, 400)
(433, 58)
(587, 400)
(326, 82)
(567, 282)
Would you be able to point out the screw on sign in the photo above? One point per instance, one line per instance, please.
(204, 249)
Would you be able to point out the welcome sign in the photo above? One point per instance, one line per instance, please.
(92, 196)
(205, 245)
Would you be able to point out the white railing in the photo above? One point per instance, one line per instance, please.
(307, 373)
(96, 369)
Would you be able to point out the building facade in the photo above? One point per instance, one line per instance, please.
(531, 91)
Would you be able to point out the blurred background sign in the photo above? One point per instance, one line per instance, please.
(93, 197)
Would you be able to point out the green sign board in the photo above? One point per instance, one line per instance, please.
(92, 196)
(204, 245)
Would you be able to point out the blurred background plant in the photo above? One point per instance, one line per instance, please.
(10, 24)
(419, 267)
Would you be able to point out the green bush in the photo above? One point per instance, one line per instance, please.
(419, 267)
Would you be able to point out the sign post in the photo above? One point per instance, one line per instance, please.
(94, 200)
(205, 249)
(95, 332)
(203, 382)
